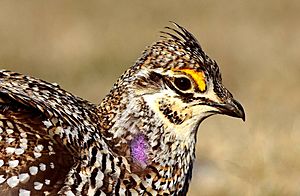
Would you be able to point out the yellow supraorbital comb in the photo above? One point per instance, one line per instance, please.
(198, 77)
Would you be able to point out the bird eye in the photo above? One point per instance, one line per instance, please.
(182, 83)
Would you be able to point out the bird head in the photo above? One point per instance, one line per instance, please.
(181, 84)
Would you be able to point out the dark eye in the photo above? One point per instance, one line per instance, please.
(183, 83)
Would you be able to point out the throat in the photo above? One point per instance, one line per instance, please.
(151, 145)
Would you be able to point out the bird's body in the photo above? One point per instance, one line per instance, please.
(139, 140)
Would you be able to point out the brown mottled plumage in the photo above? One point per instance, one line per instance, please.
(139, 140)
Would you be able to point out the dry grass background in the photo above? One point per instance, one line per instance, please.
(85, 45)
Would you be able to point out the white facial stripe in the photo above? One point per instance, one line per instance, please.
(209, 93)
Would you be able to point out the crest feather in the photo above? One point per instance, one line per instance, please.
(186, 39)
(183, 37)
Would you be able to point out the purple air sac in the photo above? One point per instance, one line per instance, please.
(139, 150)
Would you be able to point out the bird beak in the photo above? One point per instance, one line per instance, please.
(232, 108)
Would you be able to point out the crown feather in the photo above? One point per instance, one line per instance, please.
(187, 40)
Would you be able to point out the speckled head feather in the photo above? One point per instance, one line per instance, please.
(181, 50)
(191, 44)
(185, 41)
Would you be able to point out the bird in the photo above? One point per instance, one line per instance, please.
(139, 140)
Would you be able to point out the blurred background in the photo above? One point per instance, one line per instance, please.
(86, 45)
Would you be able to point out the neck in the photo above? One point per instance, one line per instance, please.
(135, 131)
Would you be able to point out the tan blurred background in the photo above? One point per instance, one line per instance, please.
(85, 45)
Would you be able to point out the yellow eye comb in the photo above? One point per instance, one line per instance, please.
(198, 77)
